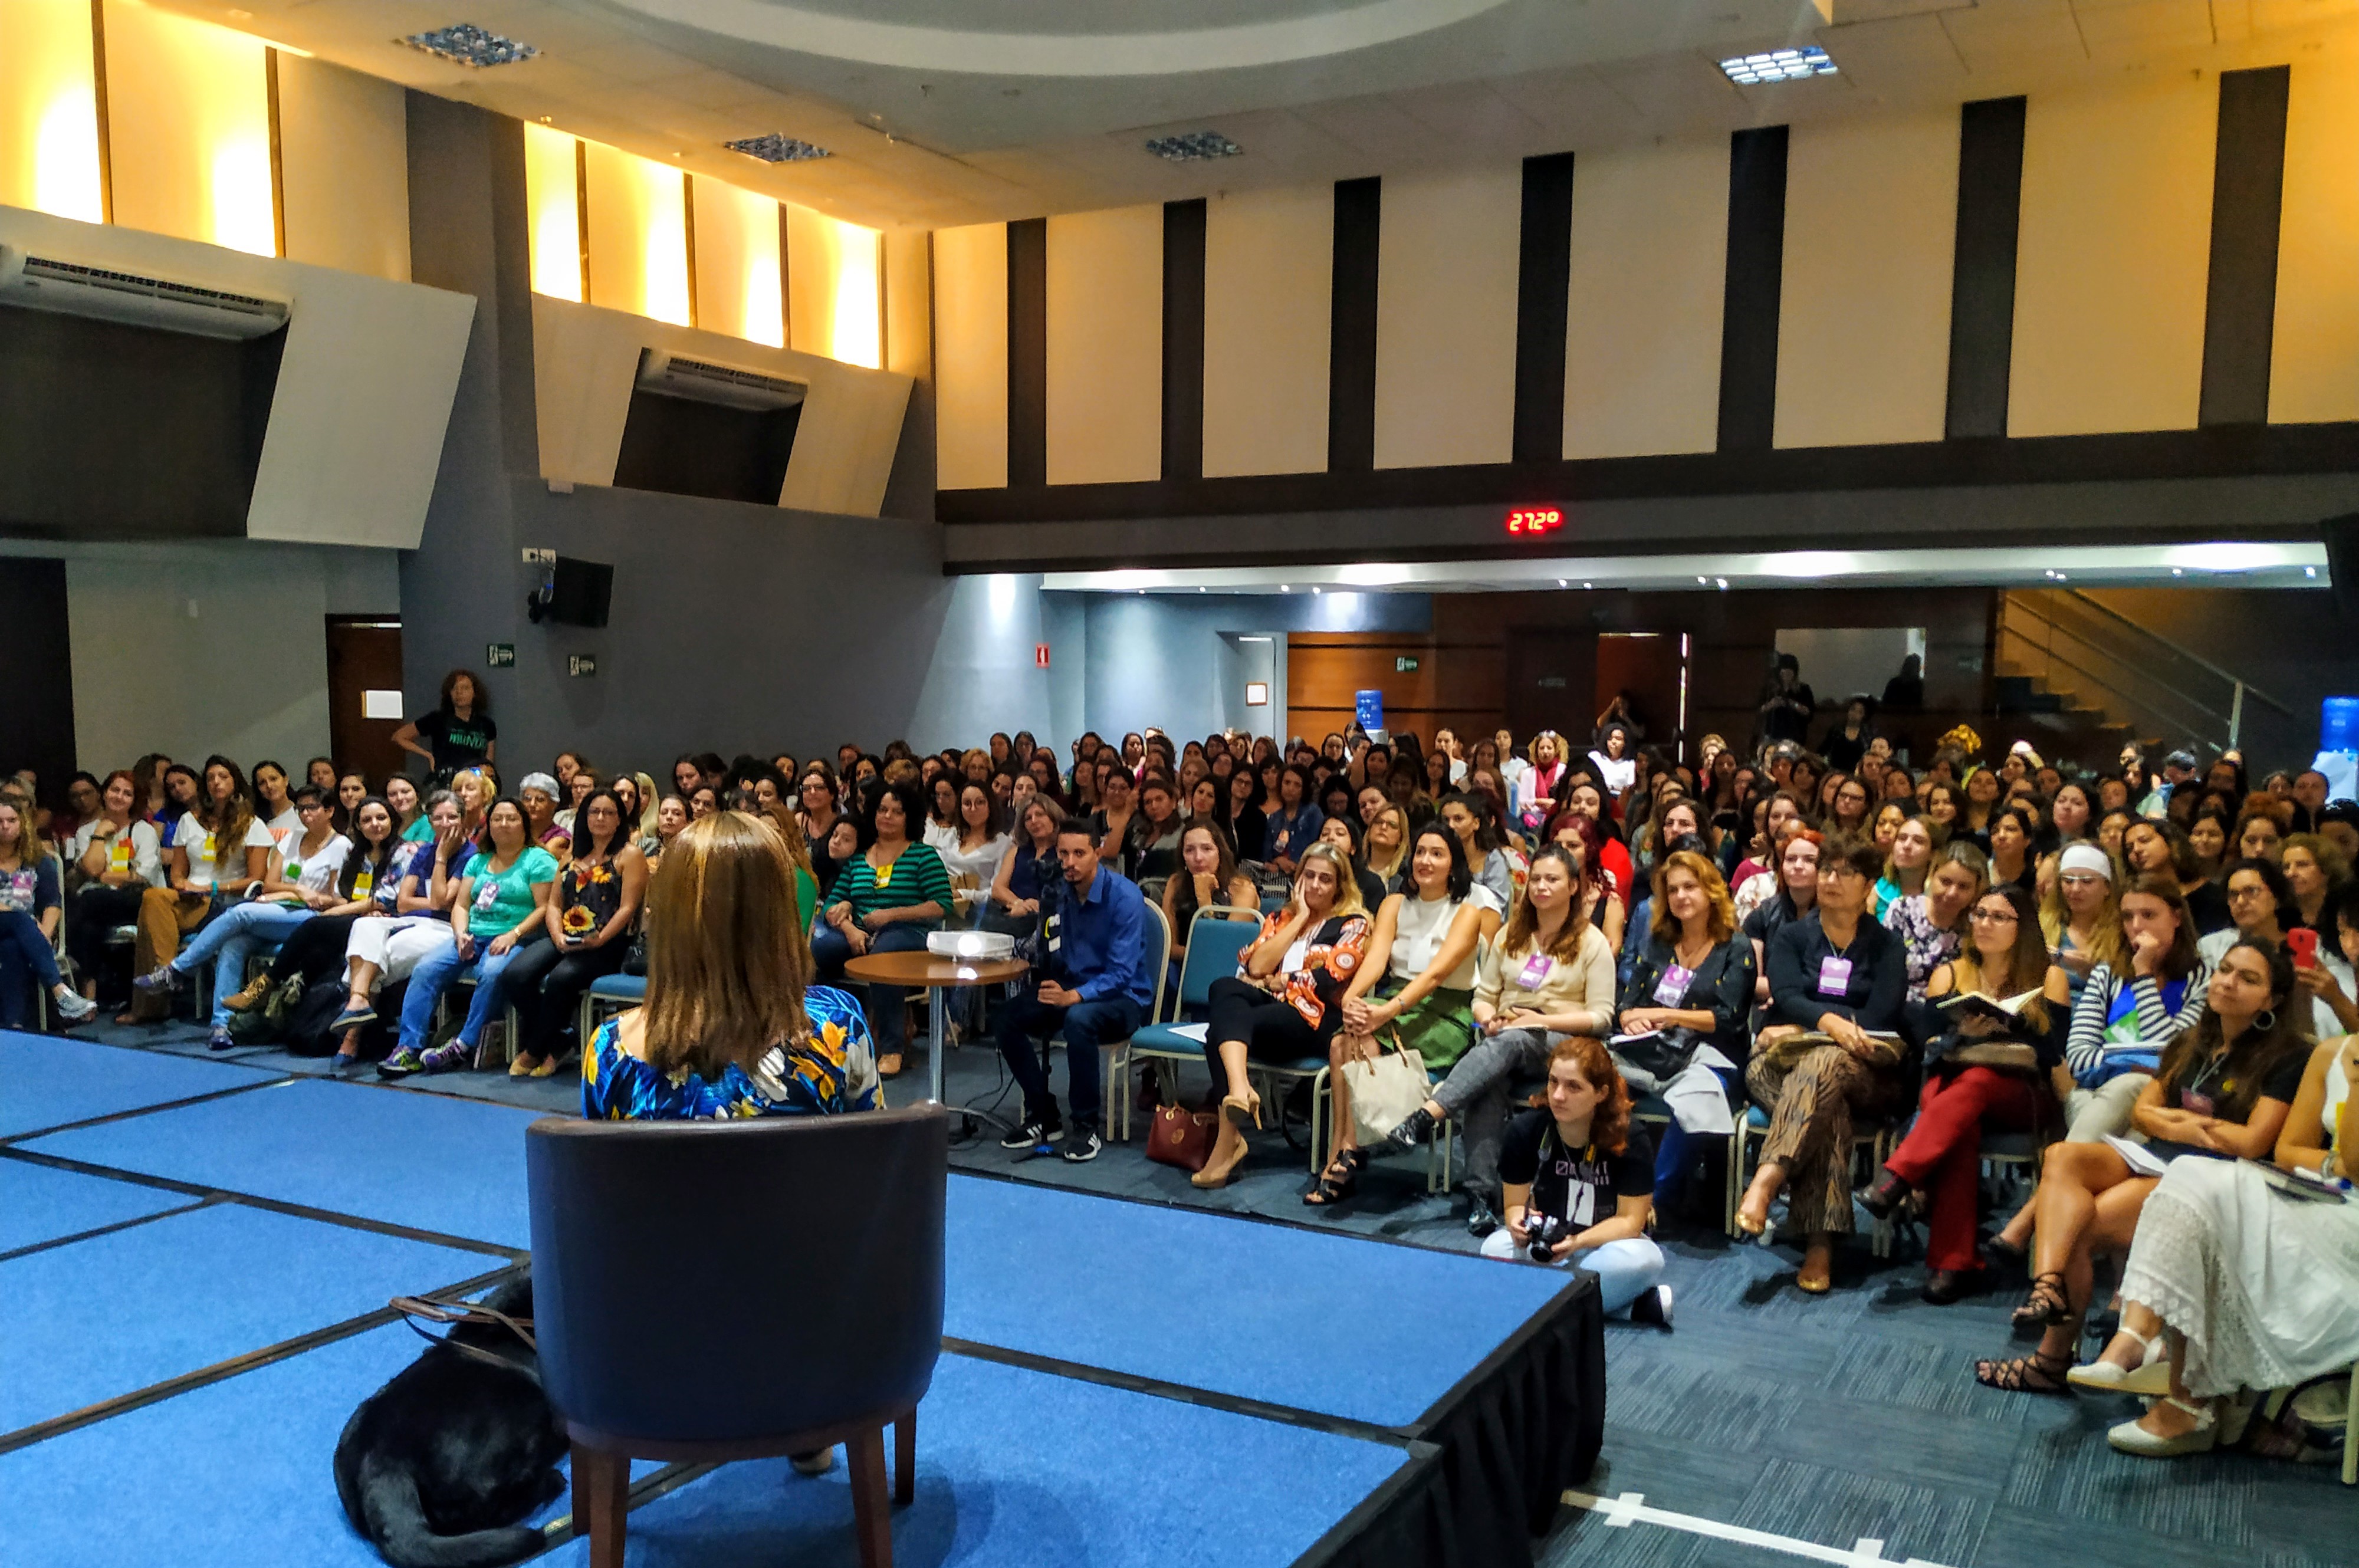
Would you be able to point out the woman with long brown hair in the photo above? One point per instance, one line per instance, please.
(732, 1025)
(219, 850)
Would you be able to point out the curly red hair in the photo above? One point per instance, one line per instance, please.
(1609, 1124)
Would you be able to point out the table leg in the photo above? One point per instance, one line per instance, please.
(937, 1011)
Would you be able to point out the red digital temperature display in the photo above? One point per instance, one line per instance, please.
(1535, 519)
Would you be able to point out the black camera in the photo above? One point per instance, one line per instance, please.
(1542, 1236)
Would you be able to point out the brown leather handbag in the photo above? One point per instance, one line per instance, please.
(1181, 1136)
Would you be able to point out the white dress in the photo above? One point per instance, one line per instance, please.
(2264, 1287)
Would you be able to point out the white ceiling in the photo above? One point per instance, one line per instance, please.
(945, 112)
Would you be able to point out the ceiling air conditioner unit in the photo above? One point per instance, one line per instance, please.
(73, 288)
(701, 381)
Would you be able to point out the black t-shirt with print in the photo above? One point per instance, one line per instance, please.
(2208, 1084)
(456, 743)
(1575, 1184)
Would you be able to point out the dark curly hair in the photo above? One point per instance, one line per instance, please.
(1609, 1124)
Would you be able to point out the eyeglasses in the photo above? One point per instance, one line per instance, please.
(1992, 917)
(2236, 895)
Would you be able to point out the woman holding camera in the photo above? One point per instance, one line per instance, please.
(1579, 1181)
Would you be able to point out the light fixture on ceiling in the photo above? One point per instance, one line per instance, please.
(470, 45)
(1195, 147)
(775, 148)
(1778, 65)
(1563, 583)
(1588, 585)
(1286, 587)
(2310, 571)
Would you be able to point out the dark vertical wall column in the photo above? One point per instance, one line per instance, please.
(1027, 352)
(1982, 284)
(37, 671)
(2240, 305)
(1544, 272)
(1183, 338)
(1750, 300)
(1351, 332)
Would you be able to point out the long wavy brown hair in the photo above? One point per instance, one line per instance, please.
(1609, 1124)
(726, 962)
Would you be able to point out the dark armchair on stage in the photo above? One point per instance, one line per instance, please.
(804, 1254)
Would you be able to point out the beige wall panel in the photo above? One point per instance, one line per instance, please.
(1863, 317)
(638, 235)
(344, 168)
(49, 109)
(1270, 276)
(1446, 273)
(2314, 367)
(2112, 259)
(1105, 346)
(737, 290)
(189, 124)
(833, 284)
(1642, 333)
(971, 357)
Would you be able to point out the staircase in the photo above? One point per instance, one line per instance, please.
(2087, 680)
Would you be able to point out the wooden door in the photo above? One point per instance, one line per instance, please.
(1551, 675)
(1649, 669)
(364, 699)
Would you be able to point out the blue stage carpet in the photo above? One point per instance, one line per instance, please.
(47, 1081)
(429, 1161)
(1058, 1274)
(39, 1204)
(1020, 1469)
(119, 1313)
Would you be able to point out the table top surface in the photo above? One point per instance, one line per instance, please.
(924, 969)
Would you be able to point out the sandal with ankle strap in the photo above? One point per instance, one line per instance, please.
(2045, 1306)
(2150, 1376)
(1339, 1180)
(2033, 1374)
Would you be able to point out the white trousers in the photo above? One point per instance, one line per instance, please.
(395, 943)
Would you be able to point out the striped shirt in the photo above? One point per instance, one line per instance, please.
(915, 876)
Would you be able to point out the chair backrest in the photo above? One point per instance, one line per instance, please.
(1213, 944)
(736, 1280)
(1162, 957)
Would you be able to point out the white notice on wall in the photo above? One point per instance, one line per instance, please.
(380, 704)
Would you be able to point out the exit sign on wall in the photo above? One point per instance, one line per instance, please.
(1039, 656)
(1404, 666)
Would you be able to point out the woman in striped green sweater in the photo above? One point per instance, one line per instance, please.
(885, 900)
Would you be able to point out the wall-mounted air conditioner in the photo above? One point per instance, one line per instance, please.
(701, 381)
(72, 289)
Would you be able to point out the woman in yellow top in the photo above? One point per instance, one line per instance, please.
(1548, 975)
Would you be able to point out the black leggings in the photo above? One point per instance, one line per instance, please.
(545, 983)
(1271, 1028)
(93, 917)
(314, 950)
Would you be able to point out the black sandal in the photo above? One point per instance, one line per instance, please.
(1333, 1188)
(2045, 1306)
(2033, 1374)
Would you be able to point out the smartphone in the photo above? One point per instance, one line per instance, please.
(2304, 943)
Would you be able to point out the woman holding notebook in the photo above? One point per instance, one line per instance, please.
(2223, 1089)
(1995, 1016)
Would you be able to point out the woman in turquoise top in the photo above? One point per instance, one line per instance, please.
(731, 1025)
(497, 908)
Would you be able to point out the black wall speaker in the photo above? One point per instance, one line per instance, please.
(577, 594)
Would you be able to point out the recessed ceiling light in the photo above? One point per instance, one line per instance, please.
(1195, 147)
(471, 44)
(1588, 585)
(1778, 65)
(1316, 588)
(1286, 587)
(776, 148)
(2310, 571)
(1562, 583)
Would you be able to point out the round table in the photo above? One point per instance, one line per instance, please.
(934, 976)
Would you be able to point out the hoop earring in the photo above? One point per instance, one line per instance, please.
(2266, 1019)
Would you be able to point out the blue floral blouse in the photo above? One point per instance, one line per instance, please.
(834, 1070)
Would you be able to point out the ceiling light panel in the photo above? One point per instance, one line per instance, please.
(1778, 65)
(1193, 146)
(472, 45)
(776, 148)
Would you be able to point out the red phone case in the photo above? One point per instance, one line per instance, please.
(2304, 943)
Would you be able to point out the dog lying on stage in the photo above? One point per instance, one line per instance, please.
(440, 1468)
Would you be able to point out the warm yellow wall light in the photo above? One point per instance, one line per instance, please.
(664, 243)
(550, 205)
(244, 216)
(49, 110)
(857, 323)
(189, 125)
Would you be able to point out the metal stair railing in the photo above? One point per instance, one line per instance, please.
(2156, 679)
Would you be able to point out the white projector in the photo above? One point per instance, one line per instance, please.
(970, 944)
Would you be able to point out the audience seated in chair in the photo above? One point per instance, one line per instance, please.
(499, 908)
(1686, 1005)
(885, 899)
(596, 899)
(32, 907)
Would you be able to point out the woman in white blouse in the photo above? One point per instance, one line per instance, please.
(113, 859)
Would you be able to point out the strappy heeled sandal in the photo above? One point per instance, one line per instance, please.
(1339, 1180)
(2045, 1306)
(2151, 1375)
(2035, 1374)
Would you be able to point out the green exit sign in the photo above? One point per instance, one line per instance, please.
(499, 655)
(1404, 665)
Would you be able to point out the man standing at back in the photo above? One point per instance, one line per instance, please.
(1096, 983)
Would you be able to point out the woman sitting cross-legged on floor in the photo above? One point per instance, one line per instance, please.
(2223, 1090)
(368, 883)
(1420, 967)
(589, 921)
(1578, 1178)
(1982, 1074)
(499, 908)
(1549, 973)
(1289, 1004)
(2232, 1288)
(300, 882)
(1838, 973)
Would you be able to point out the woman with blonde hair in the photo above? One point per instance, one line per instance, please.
(732, 1025)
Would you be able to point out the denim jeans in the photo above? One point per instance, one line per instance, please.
(1087, 1026)
(26, 958)
(1676, 1150)
(1626, 1270)
(229, 939)
(887, 1005)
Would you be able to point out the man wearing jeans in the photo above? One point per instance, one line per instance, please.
(1096, 984)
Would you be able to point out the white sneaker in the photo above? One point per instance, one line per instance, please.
(72, 1005)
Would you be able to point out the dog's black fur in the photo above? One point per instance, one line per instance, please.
(438, 1467)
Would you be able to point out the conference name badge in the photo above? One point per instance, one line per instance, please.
(1835, 975)
(120, 855)
(1672, 988)
(1535, 972)
(364, 884)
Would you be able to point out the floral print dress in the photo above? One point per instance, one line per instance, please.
(831, 1070)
